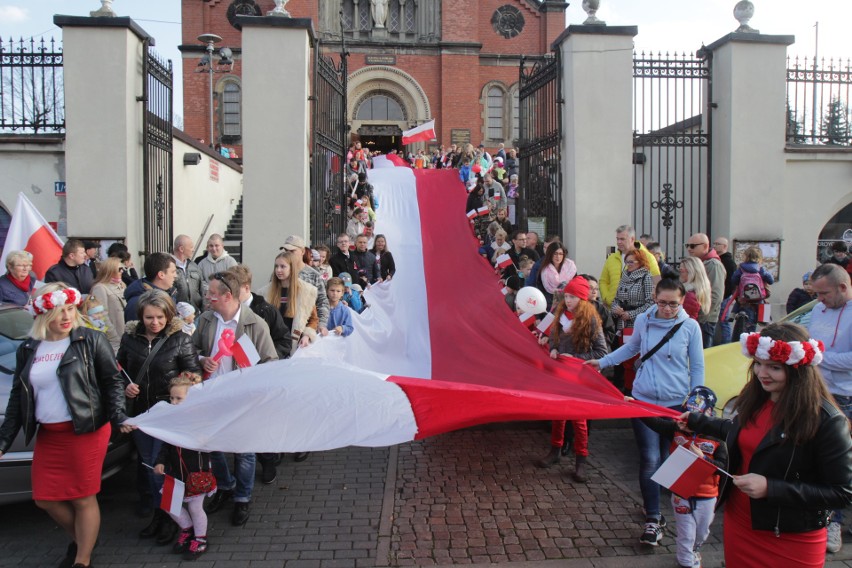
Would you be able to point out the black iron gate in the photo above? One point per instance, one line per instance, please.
(671, 144)
(329, 129)
(157, 152)
(539, 206)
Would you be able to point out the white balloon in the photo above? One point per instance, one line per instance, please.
(530, 300)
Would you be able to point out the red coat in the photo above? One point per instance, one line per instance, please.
(691, 305)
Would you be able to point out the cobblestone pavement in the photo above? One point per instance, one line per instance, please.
(467, 498)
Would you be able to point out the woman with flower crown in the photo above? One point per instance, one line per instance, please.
(790, 454)
(65, 392)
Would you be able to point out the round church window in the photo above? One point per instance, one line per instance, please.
(507, 21)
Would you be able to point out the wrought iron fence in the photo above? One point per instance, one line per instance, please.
(818, 99)
(328, 204)
(31, 86)
(540, 114)
(671, 145)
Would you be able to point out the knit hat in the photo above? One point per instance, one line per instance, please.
(578, 287)
(315, 255)
(185, 310)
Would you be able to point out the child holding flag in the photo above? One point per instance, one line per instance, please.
(189, 467)
(694, 513)
(577, 332)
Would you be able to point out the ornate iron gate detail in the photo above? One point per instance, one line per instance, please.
(157, 152)
(671, 145)
(540, 123)
(328, 197)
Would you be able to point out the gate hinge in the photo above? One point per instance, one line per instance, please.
(312, 98)
(141, 99)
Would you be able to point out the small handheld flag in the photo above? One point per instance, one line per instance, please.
(528, 319)
(545, 324)
(245, 353)
(173, 490)
(683, 472)
(503, 261)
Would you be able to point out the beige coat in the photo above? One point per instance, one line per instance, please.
(111, 296)
(305, 321)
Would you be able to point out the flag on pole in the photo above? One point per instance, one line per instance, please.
(424, 132)
(245, 353)
(503, 261)
(30, 232)
(172, 500)
(528, 319)
(683, 472)
(545, 323)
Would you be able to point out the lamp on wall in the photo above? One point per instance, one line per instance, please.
(208, 65)
(191, 158)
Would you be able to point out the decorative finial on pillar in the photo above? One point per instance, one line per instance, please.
(279, 9)
(105, 10)
(743, 12)
(591, 8)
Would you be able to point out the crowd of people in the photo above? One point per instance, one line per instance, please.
(107, 344)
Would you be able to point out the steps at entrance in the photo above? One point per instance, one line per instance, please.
(233, 238)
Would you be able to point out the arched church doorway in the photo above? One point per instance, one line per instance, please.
(838, 229)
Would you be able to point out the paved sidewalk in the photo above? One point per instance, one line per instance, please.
(468, 498)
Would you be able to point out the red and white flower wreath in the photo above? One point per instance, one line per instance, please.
(51, 300)
(793, 353)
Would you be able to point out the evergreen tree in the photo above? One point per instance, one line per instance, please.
(795, 129)
(835, 124)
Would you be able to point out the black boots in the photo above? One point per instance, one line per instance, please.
(153, 527)
(579, 474)
(551, 459)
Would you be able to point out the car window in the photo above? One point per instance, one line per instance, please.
(7, 362)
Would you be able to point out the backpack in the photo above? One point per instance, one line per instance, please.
(752, 288)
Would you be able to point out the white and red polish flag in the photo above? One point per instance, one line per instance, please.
(422, 133)
(172, 500)
(484, 210)
(683, 472)
(244, 352)
(546, 323)
(503, 261)
(431, 355)
(30, 232)
(471, 214)
(764, 313)
(528, 319)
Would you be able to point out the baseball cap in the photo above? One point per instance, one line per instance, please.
(346, 277)
(294, 242)
(357, 288)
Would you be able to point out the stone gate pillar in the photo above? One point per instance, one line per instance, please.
(102, 60)
(597, 144)
(276, 61)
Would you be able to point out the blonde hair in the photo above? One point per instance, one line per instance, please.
(273, 294)
(17, 255)
(753, 254)
(41, 321)
(107, 268)
(185, 379)
(697, 281)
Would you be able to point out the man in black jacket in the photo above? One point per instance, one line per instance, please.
(71, 268)
(365, 263)
(342, 260)
(721, 246)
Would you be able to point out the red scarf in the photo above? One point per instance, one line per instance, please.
(24, 285)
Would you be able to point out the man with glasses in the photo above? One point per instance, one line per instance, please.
(519, 248)
(625, 241)
(831, 324)
(720, 245)
(342, 260)
(226, 312)
(699, 247)
(18, 282)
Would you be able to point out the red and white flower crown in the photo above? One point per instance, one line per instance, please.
(46, 302)
(793, 353)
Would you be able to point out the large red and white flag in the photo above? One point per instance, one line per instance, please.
(422, 133)
(30, 232)
(245, 353)
(683, 472)
(429, 356)
(172, 500)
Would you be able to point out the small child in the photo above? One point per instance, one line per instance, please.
(464, 171)
(339, 318)
(751, 281)
(323, 267)
(180, 464)
(350, 297)
(694, 513)
(187, 313)
(94, 314)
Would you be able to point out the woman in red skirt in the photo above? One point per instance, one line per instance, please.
(66, 387)
(790, 451)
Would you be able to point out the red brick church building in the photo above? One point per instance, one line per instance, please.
(410, 61)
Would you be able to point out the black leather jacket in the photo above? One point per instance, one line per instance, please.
(90, 381)
(176, 355)
(804, 482)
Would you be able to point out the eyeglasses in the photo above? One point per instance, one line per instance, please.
(670, 305)
(630, 262)
(691, 246)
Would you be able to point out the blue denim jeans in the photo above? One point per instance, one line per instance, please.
(653, 450)
(242, 482)
(708, 330)
(148, 484)
(726, 327)
(845, 404)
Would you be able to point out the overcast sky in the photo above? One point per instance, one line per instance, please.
(667, 25)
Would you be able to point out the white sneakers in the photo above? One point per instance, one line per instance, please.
(835, 537)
